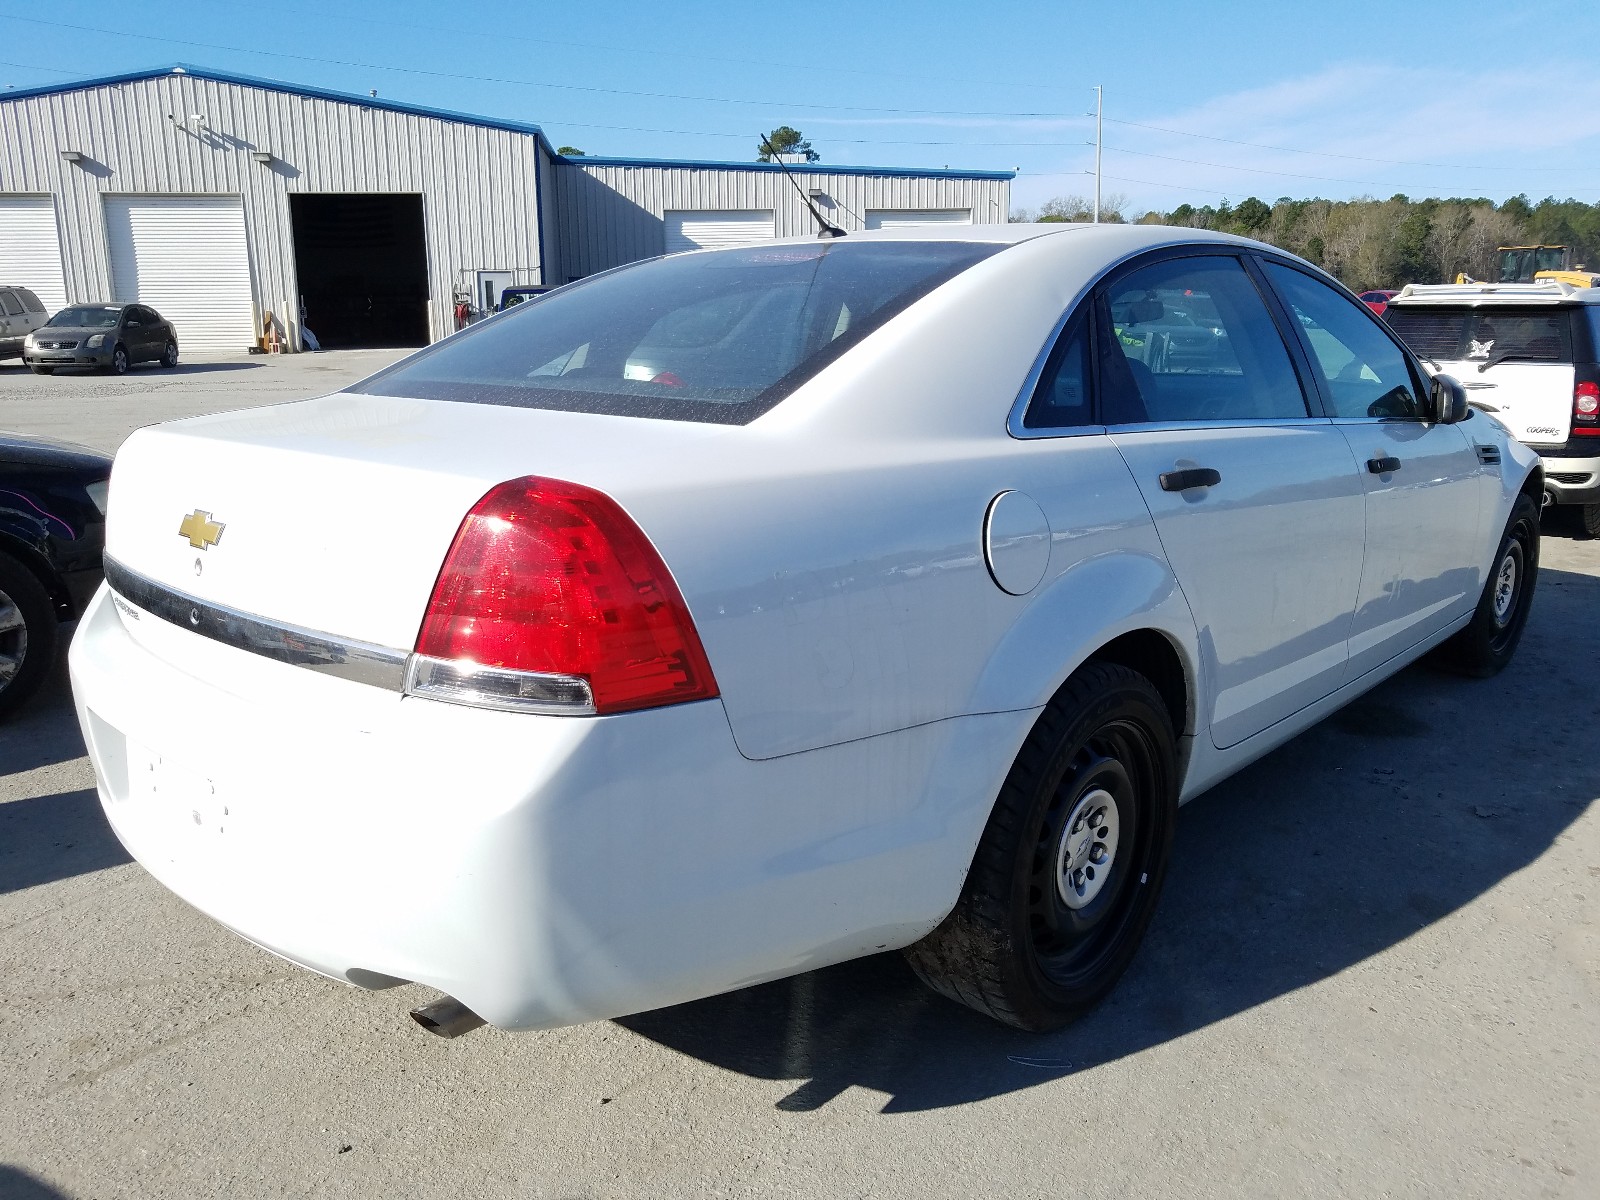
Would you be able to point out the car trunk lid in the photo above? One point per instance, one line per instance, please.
(335, 515)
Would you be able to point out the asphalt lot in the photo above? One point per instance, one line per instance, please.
(1375, 972)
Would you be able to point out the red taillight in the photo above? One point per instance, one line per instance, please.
(555, 579)
(1586, 409)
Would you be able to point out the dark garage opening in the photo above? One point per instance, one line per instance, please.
(363, 267)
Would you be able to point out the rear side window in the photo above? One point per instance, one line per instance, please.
(719, 337)
(1481, 333)
(1190, 339)
(29, 300)
(10, 305)
(1062, 399)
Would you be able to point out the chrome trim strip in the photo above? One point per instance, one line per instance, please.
(345, 658)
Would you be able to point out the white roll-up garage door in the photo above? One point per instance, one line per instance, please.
(30, 251)
(905, 218)
(707, 229)
(186, 257)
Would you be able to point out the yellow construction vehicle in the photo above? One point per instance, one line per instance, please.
(1527, 264)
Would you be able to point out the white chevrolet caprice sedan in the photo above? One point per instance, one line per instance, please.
(739, 612)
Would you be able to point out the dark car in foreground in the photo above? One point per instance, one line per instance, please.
(52, 530)
(111, 337)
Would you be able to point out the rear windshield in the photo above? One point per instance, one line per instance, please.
(719, 337)
(86, 318)
(1481, 333)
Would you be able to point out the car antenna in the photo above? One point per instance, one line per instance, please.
(825, 227)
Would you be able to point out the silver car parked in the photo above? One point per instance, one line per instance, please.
(20, 314)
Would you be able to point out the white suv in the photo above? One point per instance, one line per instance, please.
(1529, 354)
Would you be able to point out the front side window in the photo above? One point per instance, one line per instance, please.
(1365, 373)
(10, 305)
(1190, 339)
(720, 336)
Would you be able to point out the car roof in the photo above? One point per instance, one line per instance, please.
(1544, 292)
(1127, 236)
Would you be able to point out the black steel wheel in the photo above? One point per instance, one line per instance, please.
(1068, 871)
(27, 633)
(1488, 643)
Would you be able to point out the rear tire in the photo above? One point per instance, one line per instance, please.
(1070, 865)
(169, 356)
(1489, 642)
(1589, 514)
(28, 629)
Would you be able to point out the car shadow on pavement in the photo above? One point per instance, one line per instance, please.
(44, 730)
(17, 1184)
(208, 368)
(44, 838)
(1395, 812)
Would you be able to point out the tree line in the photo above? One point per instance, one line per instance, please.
(1368, 243)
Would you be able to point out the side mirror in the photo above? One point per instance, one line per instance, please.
(1447, 401)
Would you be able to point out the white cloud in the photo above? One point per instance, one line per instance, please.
(1491, 134)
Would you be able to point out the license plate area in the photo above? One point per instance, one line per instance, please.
(157, 783)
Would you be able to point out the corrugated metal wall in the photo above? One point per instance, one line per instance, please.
(480, 185)
(610, 214)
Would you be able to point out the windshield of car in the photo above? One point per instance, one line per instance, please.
(91, 317)
(1476, 334)
(718, 337)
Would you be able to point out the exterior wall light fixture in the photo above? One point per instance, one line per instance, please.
(72, 156)
(261, 156)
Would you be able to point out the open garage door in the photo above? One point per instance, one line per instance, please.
(362, 262)
(905, 218)
(708, 229)
(30, 250)
(185, 257)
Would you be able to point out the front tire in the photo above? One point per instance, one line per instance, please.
(1070, 865)
(1489, 642)
(119, 361)
(27, 633)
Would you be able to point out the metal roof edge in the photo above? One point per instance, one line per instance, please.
(797, 168)
(273, 85)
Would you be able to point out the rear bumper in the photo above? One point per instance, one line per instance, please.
(1572, 480)
(543, 870)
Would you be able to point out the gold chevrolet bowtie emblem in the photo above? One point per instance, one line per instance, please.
(201, 530)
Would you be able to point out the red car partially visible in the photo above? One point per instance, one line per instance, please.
(1378, 300)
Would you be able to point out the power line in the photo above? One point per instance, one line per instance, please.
(808, 68)
(566, 87)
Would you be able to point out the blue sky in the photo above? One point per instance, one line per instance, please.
(1204, 101)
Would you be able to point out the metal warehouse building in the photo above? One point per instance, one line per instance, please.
(233, 204)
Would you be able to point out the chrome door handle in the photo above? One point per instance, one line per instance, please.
(1382, 466)
(1193, 477)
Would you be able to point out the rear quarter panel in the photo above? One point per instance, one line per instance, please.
(835, 567)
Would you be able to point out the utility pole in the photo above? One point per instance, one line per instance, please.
(1099, 101)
